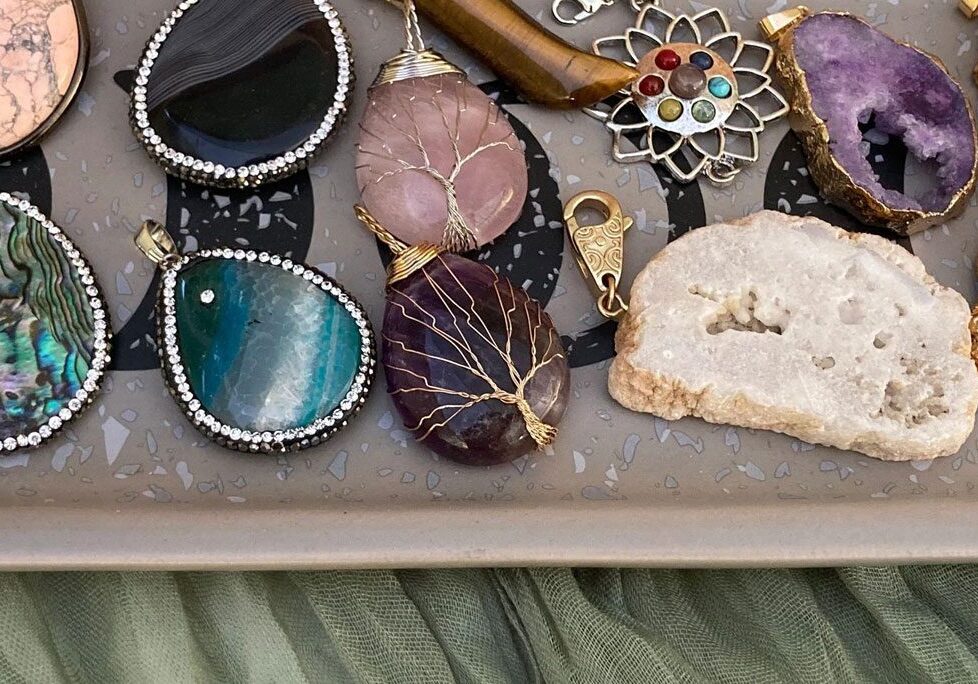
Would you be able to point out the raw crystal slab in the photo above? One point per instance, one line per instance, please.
(439, 162)
(40, 66)
(263, 349)
(53, 339)
(467, 354)
(904, 92)
(238, 93)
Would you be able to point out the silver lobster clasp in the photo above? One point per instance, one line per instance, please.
(584, 9)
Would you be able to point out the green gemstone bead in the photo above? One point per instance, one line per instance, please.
(720, 87)
(704, 111)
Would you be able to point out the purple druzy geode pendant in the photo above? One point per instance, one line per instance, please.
(475, 366)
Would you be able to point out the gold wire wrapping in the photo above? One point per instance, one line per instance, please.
(414, 64)
(407, 261)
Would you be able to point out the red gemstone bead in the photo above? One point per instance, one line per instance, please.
(667, 60)
(651, 85)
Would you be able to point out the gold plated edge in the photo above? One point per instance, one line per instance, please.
(835, 182)
(74, 86)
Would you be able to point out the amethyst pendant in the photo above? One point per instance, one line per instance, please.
(474, 365)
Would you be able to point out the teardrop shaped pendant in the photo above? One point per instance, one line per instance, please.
(54, 341)
(262, 354)
(43, 55)
(237, 94)
(475, 367)
(437, 160)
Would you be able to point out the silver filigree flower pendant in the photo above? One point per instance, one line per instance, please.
(703, 97)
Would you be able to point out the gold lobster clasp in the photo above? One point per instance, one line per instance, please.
(599, 248)
(584, 9)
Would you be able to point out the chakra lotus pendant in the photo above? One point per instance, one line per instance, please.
(54, 347)
(43, 55)
(261, 353)
(475, 367)
(437, 160)
(237, 94)
(904, 91)
(702, 98)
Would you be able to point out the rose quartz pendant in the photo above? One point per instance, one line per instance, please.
(437, 159)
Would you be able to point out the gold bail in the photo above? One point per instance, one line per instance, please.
(153, 241)
(775, 25)
(969, 8)
(599, 249)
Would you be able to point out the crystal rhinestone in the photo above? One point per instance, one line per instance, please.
(667, 60)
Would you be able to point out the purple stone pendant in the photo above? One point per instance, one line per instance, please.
(475, 366)
(437, 160)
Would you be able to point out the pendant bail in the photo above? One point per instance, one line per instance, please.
(775, 25)
(153, 241)
(599, 248)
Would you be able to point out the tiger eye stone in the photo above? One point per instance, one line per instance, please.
(460, 343)
(40, 57)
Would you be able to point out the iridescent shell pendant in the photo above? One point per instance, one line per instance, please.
(437, 160)
(237, 94)
(43, 55)
(54, 342)
(263, 354)
(475, 367)
(702, 98)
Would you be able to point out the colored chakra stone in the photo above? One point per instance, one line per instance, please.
(651, 85)
(670, 110)
(438, 162)
(704, 111)
(720, 87)
(263, 349)
(41, 64)
(249, 90)
(472, 361)
(667, 60)
(54, 338)
(702, 59)
(687, 81)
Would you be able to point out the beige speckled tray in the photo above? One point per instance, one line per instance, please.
(134, 486)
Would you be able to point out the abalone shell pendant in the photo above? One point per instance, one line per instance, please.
(437, 160)
(262, 354)
(237, 94)
(475, 367)
(43, 54)
(54, 338)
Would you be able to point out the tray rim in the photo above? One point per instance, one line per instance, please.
(603, 534)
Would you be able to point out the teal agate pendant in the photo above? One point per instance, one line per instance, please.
(54, 331)
(263, 354)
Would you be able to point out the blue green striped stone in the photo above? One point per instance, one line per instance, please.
(269, 350)
(47, 332)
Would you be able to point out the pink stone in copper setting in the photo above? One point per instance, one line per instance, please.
(439, 162)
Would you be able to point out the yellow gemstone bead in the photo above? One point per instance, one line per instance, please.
(670, 110)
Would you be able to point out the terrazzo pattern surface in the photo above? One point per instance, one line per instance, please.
(135, 449)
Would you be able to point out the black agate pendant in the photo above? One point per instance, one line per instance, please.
(237, 94)
(54, 341)
(262, 353)
(474, 365)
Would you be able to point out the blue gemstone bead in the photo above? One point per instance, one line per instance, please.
(720, 87)
(262, 348)
(702, 60)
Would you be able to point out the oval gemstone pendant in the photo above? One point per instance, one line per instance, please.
(43, 53)
(263, 354)
(236, 94)
(54, 341)
(475, 367)
(437, 160)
